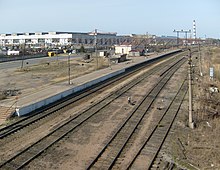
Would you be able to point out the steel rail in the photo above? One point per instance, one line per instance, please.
(183, 89)
(70, 125)
(16, 126)
(139, 109)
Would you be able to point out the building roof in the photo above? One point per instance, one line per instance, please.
(123, 45)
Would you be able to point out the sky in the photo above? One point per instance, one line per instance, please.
(158, 17)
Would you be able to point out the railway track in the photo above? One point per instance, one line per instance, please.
(66, 103)
(29, 153)
(153, 143)
(108, 156)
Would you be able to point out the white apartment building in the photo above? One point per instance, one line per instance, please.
(36, 38)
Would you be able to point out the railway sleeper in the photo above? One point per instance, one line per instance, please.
(11, 165)
(149, 150)
(153, 142)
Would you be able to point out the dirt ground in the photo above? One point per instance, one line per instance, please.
(12, 144)
(32, 78)
(189, 149)
(80, 147)
(200, 148)
(16, 83)
(65, 150)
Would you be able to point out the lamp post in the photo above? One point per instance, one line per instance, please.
(22, 57)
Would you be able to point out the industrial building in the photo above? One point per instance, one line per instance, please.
(49, 39)
(39, 42)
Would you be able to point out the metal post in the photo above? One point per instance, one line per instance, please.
(69, 67)
(191, 123)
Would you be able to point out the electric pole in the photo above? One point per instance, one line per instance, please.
(22, 57)
(69, 67)
(191, 123)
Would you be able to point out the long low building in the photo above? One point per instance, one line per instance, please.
(62, 38)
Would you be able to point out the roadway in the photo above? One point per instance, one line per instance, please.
(34, 61)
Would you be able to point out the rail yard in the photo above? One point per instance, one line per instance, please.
(109, 85)
(137, 119)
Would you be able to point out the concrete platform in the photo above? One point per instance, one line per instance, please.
(54, 92)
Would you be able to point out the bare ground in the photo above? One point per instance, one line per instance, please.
(189, 149)
(78, 149)
(199, 148)
(10, 146)
(33, 78)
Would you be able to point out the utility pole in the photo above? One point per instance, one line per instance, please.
(191, 123)
(69, 67)
(109, 58)
(22, 57)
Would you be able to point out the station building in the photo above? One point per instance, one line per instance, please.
(49, 39)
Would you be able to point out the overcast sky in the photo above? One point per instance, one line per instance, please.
(158, 17)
